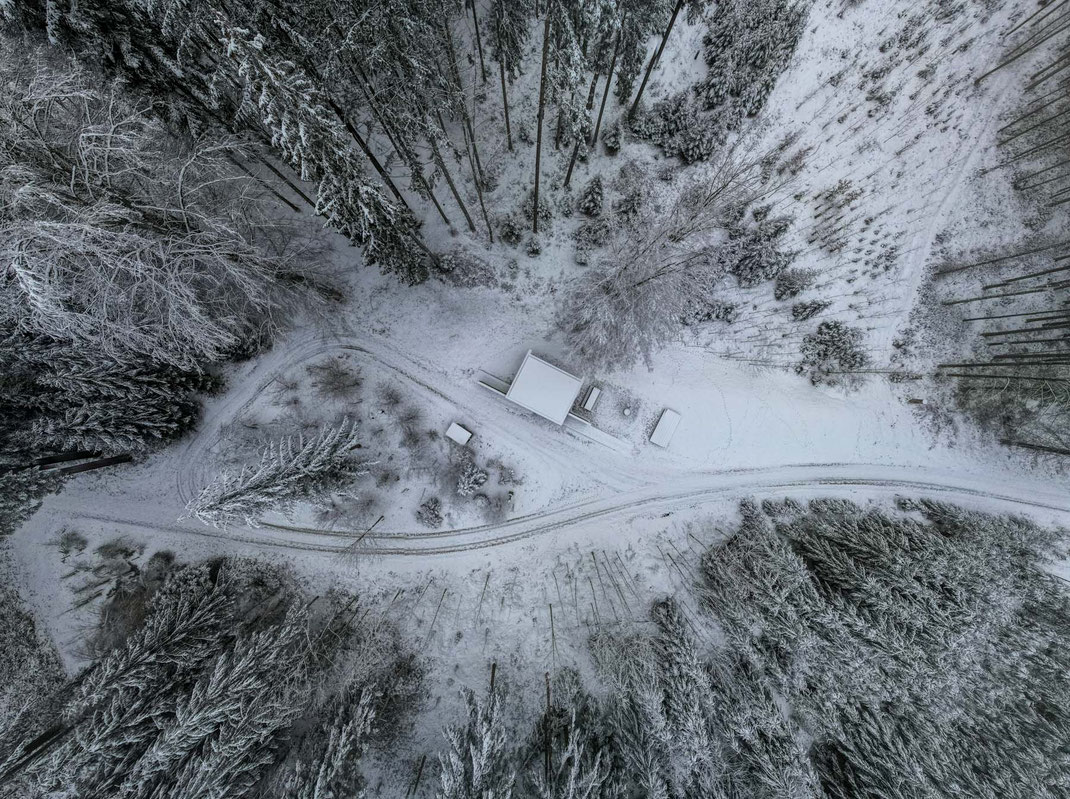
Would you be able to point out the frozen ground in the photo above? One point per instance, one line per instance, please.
(596, 532)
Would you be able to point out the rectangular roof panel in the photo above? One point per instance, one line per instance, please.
(667, 425)
(544, 389)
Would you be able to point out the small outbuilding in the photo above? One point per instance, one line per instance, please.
(667, 425)
(543, 388)
(459, 434)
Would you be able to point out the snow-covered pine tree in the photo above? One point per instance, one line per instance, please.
(747, 46)
(254, 666)
(640, 19)
(21, 493)
(477, 764)
(689, 707)
(185, 625)
(290, 470)
(574, 772)
(110, 425)
(832, 352)
(509, 29)
(333, 771)
(592, 198)
(75, 398)
(312, 140)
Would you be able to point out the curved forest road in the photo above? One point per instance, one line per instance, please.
(995, 494)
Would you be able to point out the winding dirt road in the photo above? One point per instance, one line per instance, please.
(861, 481)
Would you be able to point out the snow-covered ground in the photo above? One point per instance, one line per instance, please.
(597, 532)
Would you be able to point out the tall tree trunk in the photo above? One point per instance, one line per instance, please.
(479, 188)
(263, 183)
(654, 58)
(366, 89)
(456, 74)
(576, 145)
(609, 81)
(505, 105)
(441, 163)
(344, 117)
(542, 109)
(1036, 447)
(479, 43)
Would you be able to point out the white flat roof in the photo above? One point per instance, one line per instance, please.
(459, 434)
(667, 425)
(544, 389)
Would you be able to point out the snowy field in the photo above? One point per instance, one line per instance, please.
(571, 535)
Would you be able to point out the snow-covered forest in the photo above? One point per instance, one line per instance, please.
(572, 399)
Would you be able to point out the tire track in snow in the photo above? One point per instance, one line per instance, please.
(885, 481)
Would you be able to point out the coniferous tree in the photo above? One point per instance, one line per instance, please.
(289, 470)
(510, 21)
(592, 199)
(313, 141)
(476, 763)
(21, 492)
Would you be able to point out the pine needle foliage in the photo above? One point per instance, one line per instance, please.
(290, 470)
(920, 649)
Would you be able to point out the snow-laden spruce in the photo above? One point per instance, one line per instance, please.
(290, 470)
(477, 764)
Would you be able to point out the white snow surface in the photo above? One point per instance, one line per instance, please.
(596, 533)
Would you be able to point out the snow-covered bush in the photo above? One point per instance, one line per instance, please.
(801, 311)
(592, 198)
(511, 229)
(463, 268)
(546, 211)
(289, 470)
(429, 514)
(792, 282)
(707, 309)
(832, 352)
(593, 234)
(471, 478)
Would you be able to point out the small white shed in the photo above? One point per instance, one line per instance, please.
(666, 426)
(459, 434)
